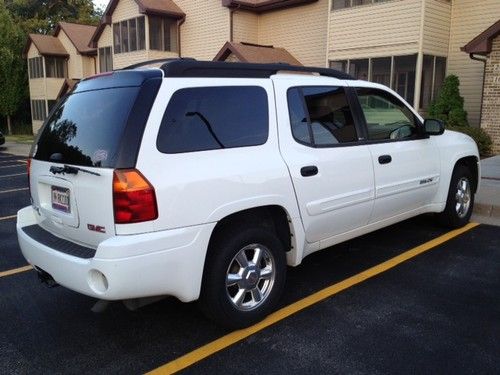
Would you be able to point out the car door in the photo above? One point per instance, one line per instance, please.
(406, 164)
(331, 172)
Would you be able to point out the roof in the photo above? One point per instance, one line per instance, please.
(259, 6)
(254, 53)
(221, 69)
(47, 45)
(79, 35)
(481, 44)
(152, 7)
(67, 86)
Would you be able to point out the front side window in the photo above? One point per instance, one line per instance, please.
(210, 118)
(162, 34)
(386, 116)
(321, 116)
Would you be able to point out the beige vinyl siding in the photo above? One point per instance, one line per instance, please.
(301, 30)
(89, 66)
(245, 27)
(153, 54)
(124, 10)
(382, 29)
(74, 63)
(468, 19)
(437, 21)
(53, 86)
(206, 28)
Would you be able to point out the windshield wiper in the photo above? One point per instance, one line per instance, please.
(70, 170)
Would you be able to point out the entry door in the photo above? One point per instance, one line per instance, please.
(406, 165)
(331, 173)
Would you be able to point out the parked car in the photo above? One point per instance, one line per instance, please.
(2, 139)
(204, 180)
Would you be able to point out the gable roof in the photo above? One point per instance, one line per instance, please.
(481, 44)
(254, 53)
(259, 6)
(79, 35)
(151, 7)
(47, 45)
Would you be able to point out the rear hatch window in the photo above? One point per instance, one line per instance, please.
(86, 128)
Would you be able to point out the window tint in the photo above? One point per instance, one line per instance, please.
(86, 127)
(386, 116)
(320, 116)
(207, 118)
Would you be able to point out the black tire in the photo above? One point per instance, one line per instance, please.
(451, 217)
(215, 298)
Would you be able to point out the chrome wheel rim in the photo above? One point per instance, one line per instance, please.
(462, 197)
(250, 277)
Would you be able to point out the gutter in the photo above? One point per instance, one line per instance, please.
(179, 24)
(483, 60)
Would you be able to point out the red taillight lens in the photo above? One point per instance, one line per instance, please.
(28, 170)
(134, 198)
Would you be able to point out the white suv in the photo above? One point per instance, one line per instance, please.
(204, 180)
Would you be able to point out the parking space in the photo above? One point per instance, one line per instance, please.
(436, 312)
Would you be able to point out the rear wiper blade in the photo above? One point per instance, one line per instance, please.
(70, 170)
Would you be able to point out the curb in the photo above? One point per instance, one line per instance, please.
(487, 210)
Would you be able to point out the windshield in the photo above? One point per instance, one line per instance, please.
(86, 128)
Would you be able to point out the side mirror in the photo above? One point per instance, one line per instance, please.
(433, 127)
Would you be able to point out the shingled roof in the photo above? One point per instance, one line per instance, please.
(259, 6)
(254, 53)
(47, 45)
(153, 7)
(79, 35)
(481, 44)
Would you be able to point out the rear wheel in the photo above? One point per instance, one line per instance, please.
(460, 202)
(244, 277)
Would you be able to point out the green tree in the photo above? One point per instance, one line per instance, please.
(42, 16)
(449, 106)
(13, 80)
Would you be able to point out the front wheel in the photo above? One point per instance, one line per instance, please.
(460, 202)
(244, 277)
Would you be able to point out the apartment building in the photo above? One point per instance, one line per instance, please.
(409, 45)
(55, 63)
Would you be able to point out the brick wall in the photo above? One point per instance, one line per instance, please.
(490, 119)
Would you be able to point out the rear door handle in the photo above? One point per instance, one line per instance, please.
(310, 170)
(384, 159)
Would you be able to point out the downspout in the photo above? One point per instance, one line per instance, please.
(179, 24)
(483, 60)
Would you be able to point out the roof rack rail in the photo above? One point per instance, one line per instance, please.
(155, 61)
(222, 69)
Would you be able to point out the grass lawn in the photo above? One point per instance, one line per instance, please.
(22, 138)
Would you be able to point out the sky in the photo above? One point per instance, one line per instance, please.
(101, 3)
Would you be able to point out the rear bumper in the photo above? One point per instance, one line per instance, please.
(134, 266)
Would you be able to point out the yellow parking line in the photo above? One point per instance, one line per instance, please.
(236, 336)
(15, 270)
(8, 217)
(13, 190)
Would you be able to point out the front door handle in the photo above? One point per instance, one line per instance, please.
(310, 170)
(384, 159)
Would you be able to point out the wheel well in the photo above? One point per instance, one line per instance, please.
(274, 218)
(471, 163)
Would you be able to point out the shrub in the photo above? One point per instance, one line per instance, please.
(449, 106)
(482, 139)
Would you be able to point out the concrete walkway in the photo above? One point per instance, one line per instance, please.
(14, 148)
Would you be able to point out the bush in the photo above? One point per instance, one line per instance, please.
(482, 139)
(449, 106)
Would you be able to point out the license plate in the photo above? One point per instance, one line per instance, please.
(60, 199)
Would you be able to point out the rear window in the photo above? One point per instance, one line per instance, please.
(86, 128)
(209, 118)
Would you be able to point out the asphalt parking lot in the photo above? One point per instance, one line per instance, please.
(436, 312)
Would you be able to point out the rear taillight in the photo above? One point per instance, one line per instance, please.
(28, 170)
(134, 198)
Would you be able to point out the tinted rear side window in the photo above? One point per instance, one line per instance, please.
(209, 118)
(86, 128)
